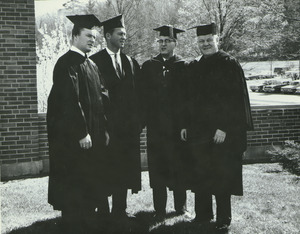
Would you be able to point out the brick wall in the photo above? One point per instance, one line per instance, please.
(18, 93)
(43, 142)
(273, 125)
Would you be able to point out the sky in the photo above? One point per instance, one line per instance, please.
(43, 7)
(47, 6)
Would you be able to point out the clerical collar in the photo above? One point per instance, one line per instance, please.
(75, 49)
(111, 52)
(166, 59)
(211, 55)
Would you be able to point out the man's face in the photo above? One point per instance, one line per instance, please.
(85, 40)
(117, 38)
(208, 44)
(166, 45)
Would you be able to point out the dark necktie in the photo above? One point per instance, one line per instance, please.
(87, 60)
(118, 68)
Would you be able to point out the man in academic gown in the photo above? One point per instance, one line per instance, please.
(77, 131)
(218, 118)
(162, 79)
(120, 72)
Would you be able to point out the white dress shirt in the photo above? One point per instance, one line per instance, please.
(112, 56)
(75, 49)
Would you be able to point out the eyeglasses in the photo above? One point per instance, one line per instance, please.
(166, 41)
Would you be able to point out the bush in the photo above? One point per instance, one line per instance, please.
(288, 156)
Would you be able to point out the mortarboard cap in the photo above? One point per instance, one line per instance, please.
(168, 31)
(84, 21)
(115, 22)
(206, 29)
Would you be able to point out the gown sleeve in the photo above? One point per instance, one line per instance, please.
(70, 118)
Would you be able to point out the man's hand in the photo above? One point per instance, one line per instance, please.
(107, 138)
(86, 143)
(183, 134)
(219, 136)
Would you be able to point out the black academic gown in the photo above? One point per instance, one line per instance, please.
(75, 109)
(162, 84)
(218, 100)
(124, 119)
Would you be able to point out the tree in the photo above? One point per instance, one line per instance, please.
(250, 30)
(227, 14)
(291, 33)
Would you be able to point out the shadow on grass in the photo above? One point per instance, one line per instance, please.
(137, 225)
(185, 227)
(51, 226)
(274, 171)
(175, 225)
(142, 223)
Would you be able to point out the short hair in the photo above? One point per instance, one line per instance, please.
(76, 30)
(110, 31)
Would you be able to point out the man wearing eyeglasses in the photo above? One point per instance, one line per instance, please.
(162, 78)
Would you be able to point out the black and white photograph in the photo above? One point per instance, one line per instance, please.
(149, 116)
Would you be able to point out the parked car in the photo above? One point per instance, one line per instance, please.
(259, 86)
(297, 90)
(260, 77)
(253, 77)
(279, 70)
(291, 88)
(275, 86)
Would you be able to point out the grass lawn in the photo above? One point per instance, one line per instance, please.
(271, 204)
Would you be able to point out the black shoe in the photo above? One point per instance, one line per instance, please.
(185, 214)
(122, 215)
(201, 220)
(203, 226)
(130, 216)
(159, 216)
(222, 228)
